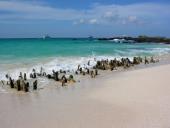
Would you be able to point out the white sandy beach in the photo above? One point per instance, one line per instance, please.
(131, 99)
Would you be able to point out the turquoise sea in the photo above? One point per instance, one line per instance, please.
(64, 53)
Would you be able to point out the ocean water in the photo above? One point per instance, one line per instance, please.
(25, 54)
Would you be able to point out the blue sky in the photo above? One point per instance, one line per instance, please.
(81, 18)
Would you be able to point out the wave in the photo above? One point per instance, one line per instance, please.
(71, 63)
(64, 63)
(142, 52)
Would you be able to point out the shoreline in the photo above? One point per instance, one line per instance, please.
(27, 67)
(139, 39)
(132, 98)
(43, 82)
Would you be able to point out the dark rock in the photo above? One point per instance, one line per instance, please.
(18, 85)
(11, 82)
(26, 87)
(35, 85)
(25, 76)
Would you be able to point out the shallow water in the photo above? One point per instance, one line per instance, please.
(24, 54)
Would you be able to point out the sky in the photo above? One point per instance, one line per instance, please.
(82, 18)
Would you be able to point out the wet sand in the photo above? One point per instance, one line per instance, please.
(131, 99)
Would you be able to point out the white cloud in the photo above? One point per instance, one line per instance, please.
(87, 21)
(24, 10)
(93, 21)
(132, 18)
(108, 14)
(82, 21)
(97, 14)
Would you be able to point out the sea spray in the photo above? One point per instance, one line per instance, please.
(22, 55)
(63, 63)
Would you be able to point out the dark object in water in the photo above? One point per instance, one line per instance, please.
(7, 76)
(35, 85)
(81, 70)
(41, 71)
(61, 71)
(2, 82)
(96, 72)
(56, 76)
(46, 37)
(11, 82)
(34, 75)
(90, 37)
(18, 85)
(44, 74)
(64, 80)
(88, 71)
(26, 87)
(111, 68)
(78, 68)
(25, 76)
(71, 79)
(33, 70)
(76, 73)
(88, 63)
(92, 74)
(137, 60)
(20, 76)
(49, 76)
(83, 73)
(152, 60)
(31, 76)
(146, 60)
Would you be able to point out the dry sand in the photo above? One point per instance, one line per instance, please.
(131, 99)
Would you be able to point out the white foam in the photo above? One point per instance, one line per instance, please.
(64, 63)
(71, 63)
(160, 51)
(143, 52)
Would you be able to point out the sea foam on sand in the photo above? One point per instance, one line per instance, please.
(132, 99)
(64, 63)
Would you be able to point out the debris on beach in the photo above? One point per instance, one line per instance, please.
(23, 83)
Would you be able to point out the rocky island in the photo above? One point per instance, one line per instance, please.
(139, 39)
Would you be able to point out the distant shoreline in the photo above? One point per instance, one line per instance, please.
(139, 39)
(122, 39)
